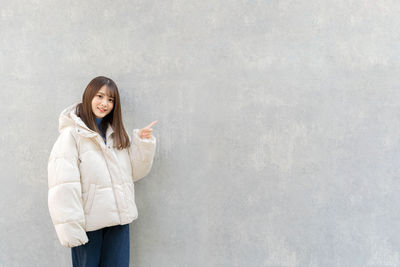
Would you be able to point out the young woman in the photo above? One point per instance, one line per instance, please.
(91, 173)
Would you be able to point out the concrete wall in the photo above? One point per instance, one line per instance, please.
(278, 133)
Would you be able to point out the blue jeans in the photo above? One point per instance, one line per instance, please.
(107, 247)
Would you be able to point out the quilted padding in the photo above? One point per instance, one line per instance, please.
(91, 183)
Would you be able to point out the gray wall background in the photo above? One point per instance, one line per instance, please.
(278, 134)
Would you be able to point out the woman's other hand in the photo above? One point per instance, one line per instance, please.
(146, 131)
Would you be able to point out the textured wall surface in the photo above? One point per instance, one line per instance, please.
(278, 134)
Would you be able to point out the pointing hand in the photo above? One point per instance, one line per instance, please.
(146, 131)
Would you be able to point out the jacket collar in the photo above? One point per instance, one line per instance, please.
(68, 117)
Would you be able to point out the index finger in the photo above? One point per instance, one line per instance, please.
(151, 124)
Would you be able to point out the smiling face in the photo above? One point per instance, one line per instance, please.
(102, 102)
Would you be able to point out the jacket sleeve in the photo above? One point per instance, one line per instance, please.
(65, 192)
(142, 153)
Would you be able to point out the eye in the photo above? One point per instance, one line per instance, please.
(100, 96)
(111, 100)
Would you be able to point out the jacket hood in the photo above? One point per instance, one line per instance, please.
(69, 118)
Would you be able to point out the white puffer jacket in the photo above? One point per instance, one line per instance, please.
(91, 184)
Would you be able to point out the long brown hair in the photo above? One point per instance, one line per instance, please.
(84, 111)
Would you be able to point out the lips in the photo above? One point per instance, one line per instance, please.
(102, 110)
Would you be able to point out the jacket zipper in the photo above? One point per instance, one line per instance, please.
(112, 182)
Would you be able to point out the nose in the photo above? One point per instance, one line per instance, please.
(104, 102)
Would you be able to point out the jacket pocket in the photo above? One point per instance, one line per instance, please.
(90, 198)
